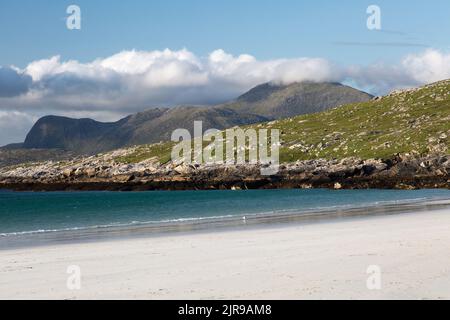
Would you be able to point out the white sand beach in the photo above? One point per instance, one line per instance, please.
(326, 260)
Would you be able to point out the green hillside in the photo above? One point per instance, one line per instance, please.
(413, 121)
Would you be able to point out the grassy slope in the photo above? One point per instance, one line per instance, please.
(416, 121)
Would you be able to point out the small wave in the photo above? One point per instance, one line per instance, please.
(229, 216)
(116, 225)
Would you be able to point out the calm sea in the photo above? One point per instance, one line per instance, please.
(46, 212)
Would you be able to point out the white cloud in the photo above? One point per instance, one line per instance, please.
(413, 70)
(147, 77)
(38, 69)
(130, 81)
(428, 67)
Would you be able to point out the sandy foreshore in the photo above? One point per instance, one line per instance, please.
(326, 260)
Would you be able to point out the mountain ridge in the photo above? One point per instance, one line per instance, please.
(265, 102)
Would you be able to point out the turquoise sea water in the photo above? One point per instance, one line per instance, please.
(41, 212)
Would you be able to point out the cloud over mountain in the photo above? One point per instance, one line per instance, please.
(133, 80)
(136, 79)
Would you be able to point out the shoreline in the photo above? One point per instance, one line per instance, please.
(301, 261)
(286, 180)
(215, 224)
(92, 174)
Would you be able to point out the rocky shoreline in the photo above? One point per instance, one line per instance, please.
(100, 173)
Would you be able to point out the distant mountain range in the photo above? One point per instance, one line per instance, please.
(262, 103)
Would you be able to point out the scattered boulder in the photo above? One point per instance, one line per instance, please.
(182, 169)
(337, 186)
(68, 172)
(403, 171)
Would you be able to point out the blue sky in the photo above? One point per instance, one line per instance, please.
(267, 29)
(117, 64)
